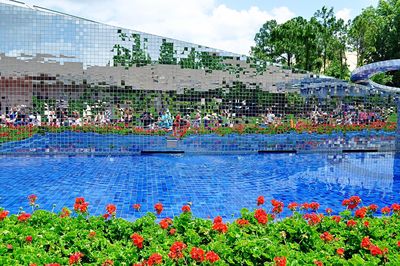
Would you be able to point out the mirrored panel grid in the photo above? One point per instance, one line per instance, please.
(71, 85)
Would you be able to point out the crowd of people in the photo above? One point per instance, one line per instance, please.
(341, 115)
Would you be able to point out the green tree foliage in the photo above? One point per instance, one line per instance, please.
(318, 44)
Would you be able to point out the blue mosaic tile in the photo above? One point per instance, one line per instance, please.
(216, 185)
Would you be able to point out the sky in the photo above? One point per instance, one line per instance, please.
(224, 24)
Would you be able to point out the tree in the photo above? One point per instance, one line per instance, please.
(264, 49)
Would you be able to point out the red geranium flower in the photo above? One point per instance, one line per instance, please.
(106, 216)
(305, 206)
(352, 202)
(218, 219)
(29, 239)
(75, 258)
(137, 240)
(164, 223)
(277, 206)
(260, 200)
(80, 205)
(398, 244)
(366, 224)
(242, 222)
(360, 213)
(197, 254)
(373, 207)
(326, 236)
(172, 231)
(385, 210)
(158, 207)
(3, 214)
(313, 218)
(340, 251)
(328, 210)
(293, 206)
(375, 250)
(336, 218)
(318, 263)
(280, 261)
(366, 242)
(111, 209)
(220, 227)
(154, 259)
(186, 208)
(212, 257)
(176, 250)
(24, 217)
(136, 206)
(396, 208)
(261, 216)
(92, 234)
(65, 212)
(351, 223)
(314, 206)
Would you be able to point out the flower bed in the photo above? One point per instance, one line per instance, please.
(15, 133)
(259, 237)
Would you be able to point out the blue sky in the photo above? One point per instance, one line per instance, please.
(305, 8)
(227, 25)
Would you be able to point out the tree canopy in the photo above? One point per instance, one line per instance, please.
(319, 44)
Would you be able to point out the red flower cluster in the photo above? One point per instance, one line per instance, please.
(385, 210)
(318, 263)
(28, 239)
(396, 208)
(154, 259)
(3, 214)
(373, 207)
(280, 261)
(314, 206)
(111, 209)
(176, 250)
(328, 210)
(137, 206)
(24, 217)
(336, 218)
(261, 216)
(164, 223)
(186, 208)
(212, 257)
(75, 258)
(326, 236)
(293, 206)
(197, 254)
(242, 222)
(80, 205)
(360, 213)
(158, 207)
(351, 223)
(260, 200)
(137, 240)
(32, 199)
(65, 212)
(340, 251)
(352, 202)
(375, 250)
(219, 226)
(313, 218)
(277, 206)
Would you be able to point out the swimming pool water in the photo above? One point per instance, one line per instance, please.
(216, 185)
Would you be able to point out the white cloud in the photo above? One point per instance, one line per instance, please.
(198, 21)
(344, 14)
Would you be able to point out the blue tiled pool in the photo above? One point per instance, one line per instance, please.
(216, 185)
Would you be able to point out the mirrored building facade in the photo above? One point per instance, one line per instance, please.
(65, 75)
